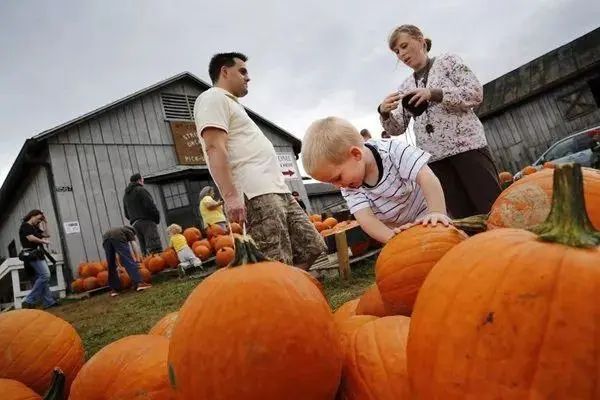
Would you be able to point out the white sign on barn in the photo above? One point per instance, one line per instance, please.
(287, 166)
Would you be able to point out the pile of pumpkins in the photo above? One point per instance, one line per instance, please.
(330, 226)
(506, 314)
(218, 243)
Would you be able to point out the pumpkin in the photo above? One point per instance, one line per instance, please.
(235, 228)
(215, 230)
(253, 360)
(345, 311)
(202, 252)
(315, 218)
(330, 222)
(87, 270)
(102, 278)
(527, 202)
(529, 170)
(104, 265)
(155, 264)
(314, 280)
(505, 176)
(170, 257)
(203, 242)
(549, 164)
(319, 226)
(77, 285)
(192, 235)
(15, 390)
(213, 242)
(90, 283)
(124, 278)
(371, 303)
(513, 314)
(33, 343)
(223, 241)
(134, 367)
(347, 327)
(224, 256)
(375, 361)
(405, 261)
(145, 275)
(164, 327)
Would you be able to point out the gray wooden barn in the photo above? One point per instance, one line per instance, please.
(551, 97)
(77, 172)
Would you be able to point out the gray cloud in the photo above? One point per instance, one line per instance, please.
(307, 59)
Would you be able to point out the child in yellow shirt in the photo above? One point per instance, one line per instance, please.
(184, 252)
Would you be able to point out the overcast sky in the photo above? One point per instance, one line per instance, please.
(308, 59)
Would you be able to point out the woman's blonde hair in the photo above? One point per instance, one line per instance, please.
(328, 140)
(411, 30)
(174, 228)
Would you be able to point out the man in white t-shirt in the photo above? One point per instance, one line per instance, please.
(243, 163)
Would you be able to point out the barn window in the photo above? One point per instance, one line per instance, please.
(576, 103)
(178, 106)
(594, 85)
(176, 195)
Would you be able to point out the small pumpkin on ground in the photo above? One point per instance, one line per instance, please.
(170, 257)
(259, 347)
(155, 264)
(202, 252)
(15, 390)
(164, 327)
(102, 278)
(224, 256)
(371, 303)
(124, 278)
(33, 343)
(514, 313)
(405, 261)
(90, 283)
(145, 275)
(205, 243)
(77, 285)
(134, 367)
(192, 235)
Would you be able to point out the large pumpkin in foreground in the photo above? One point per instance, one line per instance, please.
(405, 261)
(164, 327)
(33, 343)
(509, 314)
(345, 311)
(256, 330)
(526, 203)
(132, 368)
(375, 361)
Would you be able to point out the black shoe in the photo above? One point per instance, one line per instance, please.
(27, 305)
(56, 304)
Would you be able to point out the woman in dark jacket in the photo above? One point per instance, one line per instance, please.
(33, 237)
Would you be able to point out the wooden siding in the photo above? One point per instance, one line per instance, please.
(520, 134)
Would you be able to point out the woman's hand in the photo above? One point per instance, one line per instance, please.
(389, 104)
(421, 95)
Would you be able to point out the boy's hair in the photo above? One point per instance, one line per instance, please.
(328, 140)
(174, 228)
(221, 60)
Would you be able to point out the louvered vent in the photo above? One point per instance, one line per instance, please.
(178, 106)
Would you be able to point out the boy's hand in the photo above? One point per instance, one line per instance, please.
(433, 219)
(405, 227)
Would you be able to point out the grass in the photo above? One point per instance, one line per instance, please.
(101, 320)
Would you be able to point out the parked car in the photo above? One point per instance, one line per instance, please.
(581, 148)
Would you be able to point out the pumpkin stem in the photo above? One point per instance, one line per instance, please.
(568, 222)
(246, 251)
(57, 386)
(473, 224)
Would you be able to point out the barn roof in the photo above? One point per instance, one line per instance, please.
(541, 74)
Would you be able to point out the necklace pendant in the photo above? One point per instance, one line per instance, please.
(429, 128)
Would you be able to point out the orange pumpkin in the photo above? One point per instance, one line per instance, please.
(124, 278)
(347, 327)
(236, 228)
(315, 218)
(330, 222)
(144, 357)
(33, 343)
(314, 280)
(145, 275)
(155, 264)
(529, 170)
(205, 243)
(77, 285)
(549, 164)
(88, 269)
(104, 265)
(505, 176)
(258, 344)
(192, 235)
(90, 283)
(405, 261)
(345, 311)
(224, 256)
(223, 241)
(513, 314)
(375, 361)
(527, 202)
(371, 303)
(15, 390)
(202, 252)
(170, 257)
(102, 278)
(320, 226)
(164, 327)
(215, 230)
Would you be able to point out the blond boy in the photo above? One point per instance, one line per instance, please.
(184, 253)
(386, 183)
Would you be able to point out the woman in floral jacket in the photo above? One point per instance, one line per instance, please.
(448, 129)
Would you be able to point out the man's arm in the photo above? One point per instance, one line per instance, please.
(215, 140)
